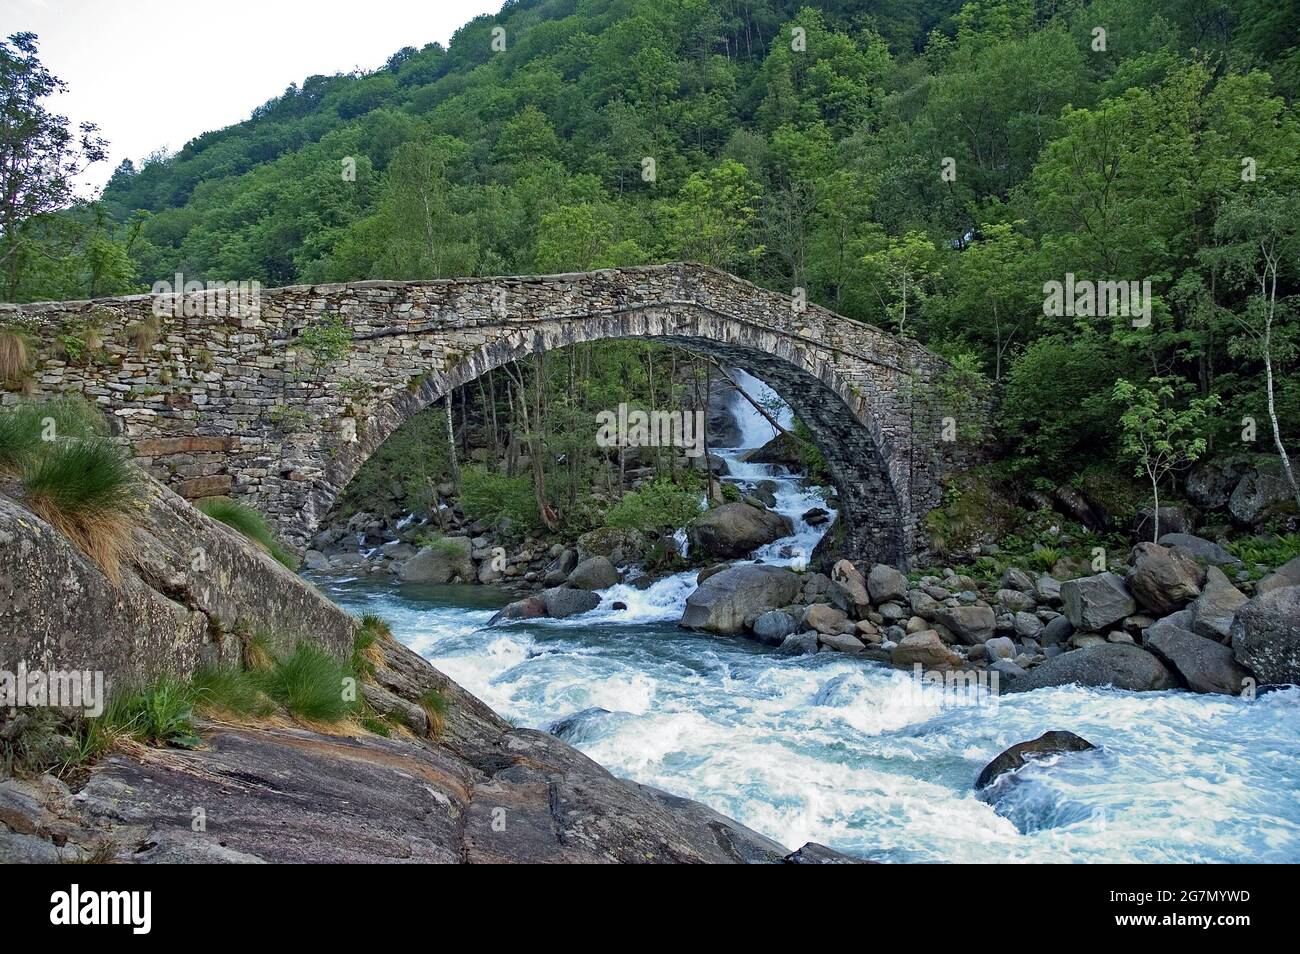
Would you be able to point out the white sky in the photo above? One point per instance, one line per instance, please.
(157, 73)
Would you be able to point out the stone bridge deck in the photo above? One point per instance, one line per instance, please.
(220, 403)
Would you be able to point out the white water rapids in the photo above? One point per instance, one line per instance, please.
(844, 752)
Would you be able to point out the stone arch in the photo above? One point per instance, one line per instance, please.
(869, 476)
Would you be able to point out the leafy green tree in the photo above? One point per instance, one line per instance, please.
(903, 272)
(1158, 435)
(712, 220)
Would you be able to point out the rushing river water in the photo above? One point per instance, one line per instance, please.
(844, 752)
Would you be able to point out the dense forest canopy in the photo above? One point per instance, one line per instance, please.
(926, 165)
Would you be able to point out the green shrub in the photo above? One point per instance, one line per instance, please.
(1271, 551)
(487, 495)
(309, 683)
(660, 504)
(1045, 558)
(248, 522)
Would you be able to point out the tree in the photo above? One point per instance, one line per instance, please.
(40, 157)
(1156, 434)
(1259, 233)
(712, 220)
(904, 270)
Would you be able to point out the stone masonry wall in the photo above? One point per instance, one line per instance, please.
(233, 404)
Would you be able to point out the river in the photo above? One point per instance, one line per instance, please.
(849, 753)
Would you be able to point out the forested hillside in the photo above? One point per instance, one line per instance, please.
(926, 165)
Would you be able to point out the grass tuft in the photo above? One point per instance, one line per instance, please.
(434, 704)
(310, 684)
(228, 691)
(85, 490)
(248, 522)
(162, 713)
(15, 356)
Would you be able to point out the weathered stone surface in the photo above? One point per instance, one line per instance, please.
(970, 624)
(620, 546)
(737, 530)
(442, 562)
(530, 607)
(168, 613)
(169, 446)
(1000, 647)
(1288, 574)
(841, 642)
(1261, 493)
(825, 618)
(1106, 664)
(849, 589)
(562, 601)
(1266, 636)
(1163, 580)
(815, 854)
(927, 649)
(722, 602)
(1216, 607)
(1057, 630)
(197, 487)
(1198, 548)
(594, 573)
(773, 627)
(1094, 602)
(1205, 665)
(800, 644)
(1014, 601)
(886, 584)
(1049, 743)
(1016, 579)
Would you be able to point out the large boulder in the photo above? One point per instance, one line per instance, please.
(1108, 664)
(1210, 482)
(927, 649)
(1205, 665)
(783, 449)
(886, 584)
(737, 530)
(970, 624)
(441, 562)
(723, 602)
(1163, 580)
(593, 573)
(621, 546)
(1214, 610)
(1288, 574)
(1094, 602)
(530, 607)
(1172, 520)
(562, 601)
(1266, 635)
(1199, 549)
(1049, 743)
(849, 589)
(1262, 493)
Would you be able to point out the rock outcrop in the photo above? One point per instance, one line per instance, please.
(1049, 743)
(1266, 635)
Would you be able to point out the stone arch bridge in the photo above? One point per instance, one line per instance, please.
(220, 403)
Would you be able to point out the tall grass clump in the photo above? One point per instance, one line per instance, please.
(15, 356)
(229, 691)
(28, 427)
(248, 522)
(162, 713)
(85, 489)
(310, 684)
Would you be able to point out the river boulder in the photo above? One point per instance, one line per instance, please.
(886, 584)
(562, 601)
(1214, 610)
(970, 624)
(441, 562)
(1205, 665)
(1163, 580)
(1094, 602)
(593, 573)
(849, 589)
(1266, 635)
(1199, 549)
(723, 602)
(927, 649)
(1105, 664)
(1054, 742)
(619, 545)
(737, 530)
